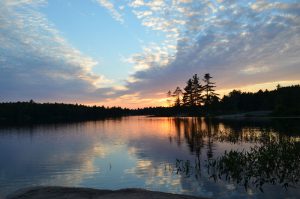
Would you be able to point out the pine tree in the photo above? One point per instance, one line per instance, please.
(169, 95)
(193, 92)
(188, 94)
(177, 94)
(197, 91)
(209, 89)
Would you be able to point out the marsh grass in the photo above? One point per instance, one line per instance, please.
(275, 163)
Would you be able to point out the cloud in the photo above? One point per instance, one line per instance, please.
(23, 2)
(111, 8)
(255, 69)
(36, 61)
(152, 55)
(239, 43)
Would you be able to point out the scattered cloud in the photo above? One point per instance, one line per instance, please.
(152, 55)
(239, 42)
(111, 8)
(252, 70)
(37, 62)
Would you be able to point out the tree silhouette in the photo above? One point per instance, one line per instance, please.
(188, 95)
(169, 95)
(177, 94)
(197, 91)
(209, 86)
(33, 112)
(193, 92)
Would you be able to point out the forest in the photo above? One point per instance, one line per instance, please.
(201, 99)
(195, 100)
(32, 112)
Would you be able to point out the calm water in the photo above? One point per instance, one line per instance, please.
(135, 152)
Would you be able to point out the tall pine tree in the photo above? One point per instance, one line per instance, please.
(177, 94)
(209, 86)
(197, 91)
(193, 92)
(188, 97)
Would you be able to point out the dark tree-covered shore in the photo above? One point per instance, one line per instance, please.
(32, 112)
(283, 101)
(200, 98)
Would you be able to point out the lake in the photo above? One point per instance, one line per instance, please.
(161, 154)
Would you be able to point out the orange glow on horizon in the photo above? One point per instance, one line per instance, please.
(137, 101)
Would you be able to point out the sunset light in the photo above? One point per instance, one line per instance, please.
(103, 52)
(149, 99)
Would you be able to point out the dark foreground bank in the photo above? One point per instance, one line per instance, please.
(87, 193)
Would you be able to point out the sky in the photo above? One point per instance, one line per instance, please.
(129, 53)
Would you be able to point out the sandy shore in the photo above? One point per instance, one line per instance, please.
(87, 193)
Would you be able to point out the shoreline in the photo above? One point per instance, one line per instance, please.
(49, 192)
(254, 115)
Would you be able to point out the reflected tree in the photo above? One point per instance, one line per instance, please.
(274, 158)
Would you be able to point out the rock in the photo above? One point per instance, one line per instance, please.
(87, 193)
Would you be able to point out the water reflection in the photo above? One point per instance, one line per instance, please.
(273, 159)
(275, 163)
(134, 152)
(271, 163)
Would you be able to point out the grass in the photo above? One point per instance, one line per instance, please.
(275, 163)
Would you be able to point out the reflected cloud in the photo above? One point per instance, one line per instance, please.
(133, 151)
(156, 175)
(54, 155)
(205, 139)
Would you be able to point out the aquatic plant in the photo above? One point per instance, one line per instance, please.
(276, 163)
(188, 169)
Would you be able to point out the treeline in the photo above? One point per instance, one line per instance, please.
(12, 113)
(283, 101)
(201, 99)
(31, 112)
